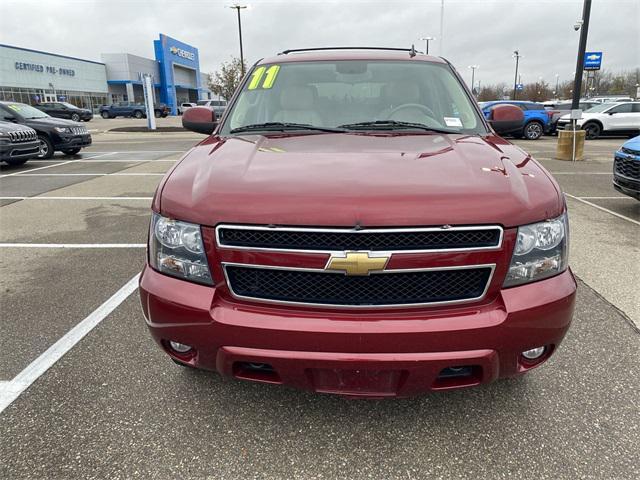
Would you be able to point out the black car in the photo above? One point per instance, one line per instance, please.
(65, 110)
(558, 109)
(18, 143)
(132, 109)
(54, 134)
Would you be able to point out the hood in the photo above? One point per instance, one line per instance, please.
(51, 122)
(359, 179)
(633, 144)
(7, 127)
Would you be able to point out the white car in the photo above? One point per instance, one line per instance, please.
(218, 106)
(620, 118)
(184, 106)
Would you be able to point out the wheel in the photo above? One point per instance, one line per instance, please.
(533, 130)
(46, 147)
(164, 115)
(71, 151)
(75, 117)
(105, 115)
(137, 114)
(15, 162)
(157, 113)
(592, 130)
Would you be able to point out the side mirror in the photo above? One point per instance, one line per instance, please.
(505, 118)
(199, 120)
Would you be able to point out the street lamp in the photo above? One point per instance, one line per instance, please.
(473, 75)
(557, 85)
(239, 7)
(426, 43)
(516, 55)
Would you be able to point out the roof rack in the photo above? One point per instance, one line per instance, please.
(412, 51)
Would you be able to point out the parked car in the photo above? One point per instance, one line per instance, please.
(626, 168)
(558, 109)
(132, 109)
(184, 106)
(621, 118)
(536, 119)
(54, 134)
(65, 110)
(18, 143)
(218, 106)
(355, 226)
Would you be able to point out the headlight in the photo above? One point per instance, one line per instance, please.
(176, 248)
(541, 251)
(62, 129)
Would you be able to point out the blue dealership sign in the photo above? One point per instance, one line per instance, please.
(173, 55)
(519, 87)
(592, 60)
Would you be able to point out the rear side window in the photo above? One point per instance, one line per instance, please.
(535, 106)
(625, 108)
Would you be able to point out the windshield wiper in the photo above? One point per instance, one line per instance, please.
(282, 126)
(393, 124)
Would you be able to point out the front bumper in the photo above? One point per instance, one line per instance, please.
(21, 150)
(73, 141)
(386, 353)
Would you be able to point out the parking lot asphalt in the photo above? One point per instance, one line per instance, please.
(72, 234)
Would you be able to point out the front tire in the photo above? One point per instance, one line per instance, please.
(105, 115)
(137, 114)
(46, 147)
(593, 130)
(75, 117)
(533, 130)
(71, 151)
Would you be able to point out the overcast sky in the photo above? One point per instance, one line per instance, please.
(482, 32)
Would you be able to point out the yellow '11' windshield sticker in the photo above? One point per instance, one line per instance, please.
(269, 79)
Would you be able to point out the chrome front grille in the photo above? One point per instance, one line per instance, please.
(18, 136)
(79, 130)
(330, 240)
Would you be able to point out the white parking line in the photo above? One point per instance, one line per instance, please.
(607, 198)
(119, 160)
(54, 165)
(586, 202)
(73, 245)
(117, 174)
(581, 173)
(76, 198)
(10, 391)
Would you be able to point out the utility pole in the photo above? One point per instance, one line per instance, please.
(516, 55)
(441, 28)
(583, 25)
(239, 7)
(426, 43)
(473, 75)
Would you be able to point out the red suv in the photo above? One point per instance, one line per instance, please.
(354, 225)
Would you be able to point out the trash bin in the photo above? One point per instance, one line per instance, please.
(565, 144)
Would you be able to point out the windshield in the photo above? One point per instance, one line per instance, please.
(26, 111)
(600, 108)
(332, 94)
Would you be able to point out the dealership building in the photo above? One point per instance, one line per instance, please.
(33, 76)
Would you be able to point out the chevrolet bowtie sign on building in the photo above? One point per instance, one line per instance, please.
(183, 53)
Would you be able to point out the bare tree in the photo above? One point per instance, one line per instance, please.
(225, 81)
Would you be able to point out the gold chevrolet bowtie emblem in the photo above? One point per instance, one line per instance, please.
(357, 263)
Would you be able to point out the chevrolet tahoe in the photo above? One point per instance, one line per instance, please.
(354, 225)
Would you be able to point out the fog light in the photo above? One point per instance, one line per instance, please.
(534, 353)
(179, 347)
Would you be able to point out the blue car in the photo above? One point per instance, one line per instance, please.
(626, 168)
(537, 120)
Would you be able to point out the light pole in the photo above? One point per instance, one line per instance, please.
(557, 85)
(516, 55)
(473, 75)
(239, 7)
(426, 43)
